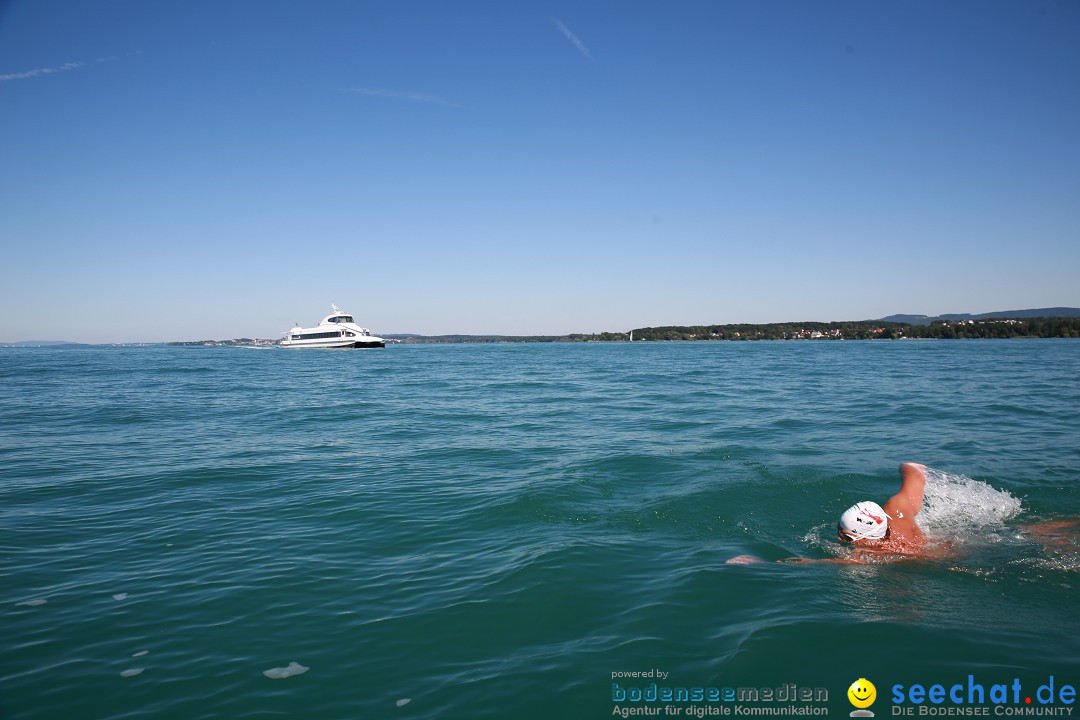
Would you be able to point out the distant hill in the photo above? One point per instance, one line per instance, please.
(1039, 312)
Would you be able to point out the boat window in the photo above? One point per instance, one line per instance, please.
(317, 336)
(333, 319)
(347, 318)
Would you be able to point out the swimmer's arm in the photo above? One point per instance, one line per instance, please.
(909, 500)
(1051, 527)
(803, 561)
(1054, 534)
(751, 560)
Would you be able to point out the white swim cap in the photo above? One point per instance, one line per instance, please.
(864, 521)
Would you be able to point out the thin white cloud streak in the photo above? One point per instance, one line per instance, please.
(37, 72)
(400, 95)
(574, 39)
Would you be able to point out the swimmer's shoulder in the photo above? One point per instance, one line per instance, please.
(902, 518)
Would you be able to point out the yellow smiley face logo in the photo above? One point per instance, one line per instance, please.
(862, 693)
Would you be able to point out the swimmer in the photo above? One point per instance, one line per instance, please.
(876, 533)
(873, 529)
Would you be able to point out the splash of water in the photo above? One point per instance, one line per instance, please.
(956, 505)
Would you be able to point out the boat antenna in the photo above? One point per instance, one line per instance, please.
(335, 308)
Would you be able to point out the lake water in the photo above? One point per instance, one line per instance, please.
(494, 531)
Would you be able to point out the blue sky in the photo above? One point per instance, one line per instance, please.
(175, 171)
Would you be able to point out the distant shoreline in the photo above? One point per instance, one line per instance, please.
(973, 329)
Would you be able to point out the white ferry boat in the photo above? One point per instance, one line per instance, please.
(337, 330)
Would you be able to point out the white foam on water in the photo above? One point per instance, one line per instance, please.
(141, 653)
(813, 535)
(955, 505)
(120, 596)
(403, 702)
(33, 603)
(294, 668)
(1057, 564)
(132, 673)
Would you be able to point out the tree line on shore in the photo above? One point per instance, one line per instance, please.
(870, 330)
(850, 330)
